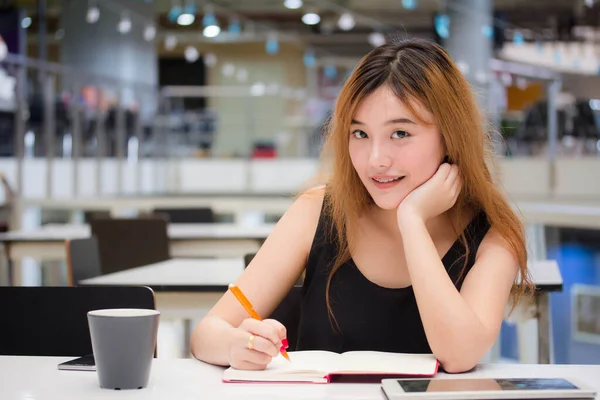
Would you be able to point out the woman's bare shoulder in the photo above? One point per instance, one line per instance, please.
(306, 209)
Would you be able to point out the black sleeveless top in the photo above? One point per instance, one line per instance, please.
(369, 316)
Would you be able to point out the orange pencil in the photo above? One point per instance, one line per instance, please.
(250, 310)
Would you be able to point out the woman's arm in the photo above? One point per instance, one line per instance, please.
(266, 281)
(460, 327)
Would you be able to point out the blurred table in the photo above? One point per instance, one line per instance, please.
(238, 204)
(178, 275)
(184, 288)
(187, 240)
(546, 276)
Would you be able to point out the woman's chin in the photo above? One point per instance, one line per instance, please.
(387, 203)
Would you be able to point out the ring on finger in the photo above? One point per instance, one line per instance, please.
(251, 342)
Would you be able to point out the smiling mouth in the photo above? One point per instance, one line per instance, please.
(387, 180)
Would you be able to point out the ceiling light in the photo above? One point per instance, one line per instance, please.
(188, 16)
(211, 31)
(191, 54)
(170, 42)
(210, 23)
(409, 4)
(234, 26)
(463, 66)
(124, 25)
(311, 18)
(258, 89)
(186, 19)
(376, 39)
(26, 22)
(228, 69)
(149, 33)
(309, 59)
(292, 4)
(481, 77)
(93, 15)
(272, 44)
(330, 71)
(346, 22)
(210, 60)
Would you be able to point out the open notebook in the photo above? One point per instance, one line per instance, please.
(321, 366)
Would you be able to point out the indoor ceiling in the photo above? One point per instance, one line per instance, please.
(388, 16)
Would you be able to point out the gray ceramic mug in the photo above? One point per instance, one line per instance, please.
(123, 342)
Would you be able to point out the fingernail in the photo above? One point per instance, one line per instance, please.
(284, 343)
(282, 348)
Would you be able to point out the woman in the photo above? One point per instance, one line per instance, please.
(409, 247)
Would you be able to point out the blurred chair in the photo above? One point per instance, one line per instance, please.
(126, 243)
(187, 215)
(90, 215)
(52, 320)
(83, 259)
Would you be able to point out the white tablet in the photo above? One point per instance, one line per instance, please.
(486, 388)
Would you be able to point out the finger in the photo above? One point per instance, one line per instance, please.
(278, 326)
(261, 345)
(456, 190)
(247, 365)
(452, 174)
(241, 352)
(260, 328)
(444, 171)
(440, 174)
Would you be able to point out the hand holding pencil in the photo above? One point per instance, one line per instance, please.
(258, 340)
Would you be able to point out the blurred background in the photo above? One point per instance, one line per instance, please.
(121, 108)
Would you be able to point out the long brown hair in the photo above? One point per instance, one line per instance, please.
(418, 70)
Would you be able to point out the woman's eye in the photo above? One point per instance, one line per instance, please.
(359, 134)
(399, 134)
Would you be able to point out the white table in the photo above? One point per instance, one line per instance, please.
(184, 288)
(178, 275)
(191, 240)
(183, 379)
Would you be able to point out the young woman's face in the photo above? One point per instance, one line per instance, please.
(392, 152)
